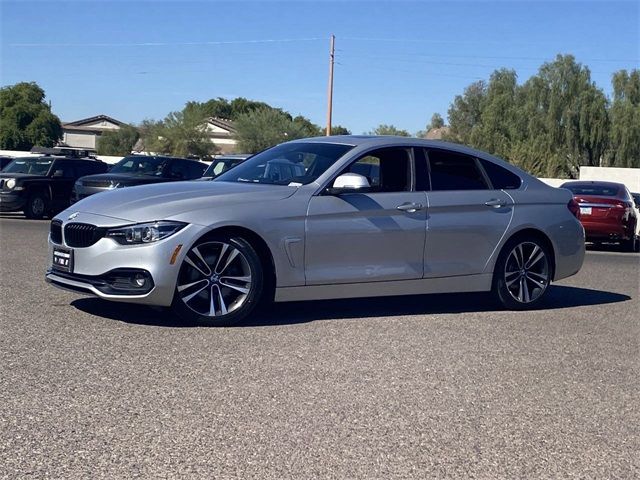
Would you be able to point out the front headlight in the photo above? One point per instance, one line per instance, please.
(144, 232)
(10, 183)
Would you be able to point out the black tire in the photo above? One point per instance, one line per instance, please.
(37, 206)
(210, 290)
(629, 245)
(522, 273)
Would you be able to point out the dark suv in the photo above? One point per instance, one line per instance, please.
(139, 170)
(41, 185)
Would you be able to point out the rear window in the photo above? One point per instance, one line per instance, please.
(501, 178)
(454, 171)
(597, 190)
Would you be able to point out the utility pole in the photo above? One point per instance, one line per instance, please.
(330, 94)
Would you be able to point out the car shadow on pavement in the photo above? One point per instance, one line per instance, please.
(559, 296)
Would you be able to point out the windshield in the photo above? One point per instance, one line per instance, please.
(34, 166)
(219, 166)
(140, 166)
(597, 190)
(287, 164)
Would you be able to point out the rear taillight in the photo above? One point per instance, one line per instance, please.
(574, 208)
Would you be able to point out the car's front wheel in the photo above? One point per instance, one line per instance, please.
(220, 282)
(37, 206)
(522, 274)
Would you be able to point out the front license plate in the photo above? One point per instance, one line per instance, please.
(63, 259)
(585, 210)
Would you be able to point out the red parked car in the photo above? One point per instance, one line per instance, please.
(606, 212)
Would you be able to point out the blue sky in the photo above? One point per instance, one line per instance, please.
(397, 62)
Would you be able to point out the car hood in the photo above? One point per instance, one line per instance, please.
(124, 178)
(166, 200)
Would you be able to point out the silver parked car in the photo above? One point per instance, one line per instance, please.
(357, 216)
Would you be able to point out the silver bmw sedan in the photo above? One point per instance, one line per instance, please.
(320, 218)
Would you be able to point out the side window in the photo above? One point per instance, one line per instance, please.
(67, 169)
(454, 171)
(501, 178)
(387, 169)
(178, 170)
(196, 169)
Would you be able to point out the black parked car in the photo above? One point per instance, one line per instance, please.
(41, 185)
(139, 170)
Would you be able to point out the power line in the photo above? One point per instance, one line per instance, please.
(167, 44)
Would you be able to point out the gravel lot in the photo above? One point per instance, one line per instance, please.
(413, 387)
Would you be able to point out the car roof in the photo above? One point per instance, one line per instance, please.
(384, 140)
(165, 157)
(580, 183)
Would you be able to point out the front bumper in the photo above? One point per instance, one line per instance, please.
(91, 265)
(11, 201)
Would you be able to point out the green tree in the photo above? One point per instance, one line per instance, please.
(339, 130)
(25, 119)
(383, 129)
(625, 120)
(436, 121)
(118, 142)
(180, 133)
(465, 111)
(551, 125)
(498, 110)
(563, 121)
(266, 127)
(223, 108)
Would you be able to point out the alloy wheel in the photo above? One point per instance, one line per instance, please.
(215, 279)
(526, 272)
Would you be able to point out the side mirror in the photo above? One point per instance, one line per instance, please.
(349, 183)
(58, 174)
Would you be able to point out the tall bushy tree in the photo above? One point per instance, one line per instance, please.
(494, 131)
(180, 133)
(264, 128)
(118, 142)
(384, 129)
(25, 119)
(465, 111)
(223, 108)
(625, 120)
(550, 126)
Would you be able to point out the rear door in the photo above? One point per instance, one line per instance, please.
(466, 217)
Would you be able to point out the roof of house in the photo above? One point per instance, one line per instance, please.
(436, 133)
(222, 123)
(91, 120)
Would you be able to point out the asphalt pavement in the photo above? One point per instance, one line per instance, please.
(441, 386)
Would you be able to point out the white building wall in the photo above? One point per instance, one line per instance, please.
(628, 176)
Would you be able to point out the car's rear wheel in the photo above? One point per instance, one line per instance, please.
(220, 282)
(523, 273)
(37, 206)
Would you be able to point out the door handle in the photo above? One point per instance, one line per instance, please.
(410, 207)
(495, 203)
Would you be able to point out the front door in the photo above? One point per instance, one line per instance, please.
(377, 235)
